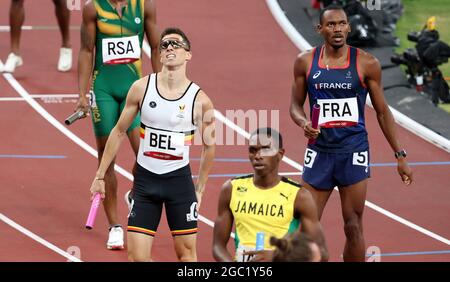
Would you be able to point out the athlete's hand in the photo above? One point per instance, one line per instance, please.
(98, 186)
(83, 105)
(405, 171)
(310, 132)
(260, 256)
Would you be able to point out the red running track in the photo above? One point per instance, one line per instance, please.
(242, 60)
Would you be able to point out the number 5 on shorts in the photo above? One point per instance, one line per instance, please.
(361, 158)
(310, 156)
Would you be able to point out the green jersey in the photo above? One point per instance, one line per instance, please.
(119, 39)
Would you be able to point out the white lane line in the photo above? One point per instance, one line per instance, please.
(38, 239)
(6, 28)
(279, 15)
(302, 44)
(408, 223)
(40, 96)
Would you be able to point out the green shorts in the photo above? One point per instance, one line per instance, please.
(108, 96)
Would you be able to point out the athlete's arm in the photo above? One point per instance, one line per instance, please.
(119, 132)
(299, 93)
(223, 225)
(306, 209)
(204, 119)
(372, 77)
(86, 54)
(152, 32)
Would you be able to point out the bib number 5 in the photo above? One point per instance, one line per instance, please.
(361, 158)
(310, 156)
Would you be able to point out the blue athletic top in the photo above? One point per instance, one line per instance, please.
(341, 94)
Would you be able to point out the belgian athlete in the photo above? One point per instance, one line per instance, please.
(112, 33)
(338, 77)
(263, 202)
(171, 108)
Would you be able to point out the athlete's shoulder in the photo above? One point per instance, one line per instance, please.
(89, 9)
(304, 200)
(241, 177)
(366, 58)
(305, 56)
(143, 81)
(303, 62)
(239, 180)
(368, 64)
(201, 95)
(140, 85)
(203, 99)
(89, 3)
(291, 182)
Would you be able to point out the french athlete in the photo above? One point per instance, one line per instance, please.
(338, 77)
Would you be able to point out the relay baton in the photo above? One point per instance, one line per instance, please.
(314, 120)
(259, 241)
(74, 117)
(93, 212)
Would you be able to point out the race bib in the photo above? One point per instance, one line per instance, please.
(163, 145)
(240, 257)
(121, 50)
(310, 157)
(361, 158)
(338, 112)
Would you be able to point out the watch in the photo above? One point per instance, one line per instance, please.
(401, 153)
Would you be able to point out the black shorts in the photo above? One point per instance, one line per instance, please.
(175, 189)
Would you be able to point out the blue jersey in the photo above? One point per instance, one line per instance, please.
(341, 94)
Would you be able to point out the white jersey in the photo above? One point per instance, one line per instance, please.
(167, 129)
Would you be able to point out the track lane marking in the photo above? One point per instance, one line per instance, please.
(37, 238)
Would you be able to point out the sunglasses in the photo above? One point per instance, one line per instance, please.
(175, 44)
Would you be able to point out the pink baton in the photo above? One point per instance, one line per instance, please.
(93, 212)
(314, 120)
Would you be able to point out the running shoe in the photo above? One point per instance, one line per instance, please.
(12, 62)
(65, 59)
(115, 238)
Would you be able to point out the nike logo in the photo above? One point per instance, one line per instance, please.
(282, 195)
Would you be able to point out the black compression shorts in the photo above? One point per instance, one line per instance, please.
(175, 190)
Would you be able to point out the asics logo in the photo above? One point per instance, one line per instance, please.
(317, 74)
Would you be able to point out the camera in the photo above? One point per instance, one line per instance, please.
(422, 63)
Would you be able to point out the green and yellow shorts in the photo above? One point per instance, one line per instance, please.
(109, 91)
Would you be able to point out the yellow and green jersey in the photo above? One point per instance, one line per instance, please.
(262, 210)
(119, 39)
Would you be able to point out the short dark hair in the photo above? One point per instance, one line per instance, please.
(270, 132)
(176, 30)
(293, 247)
(331, 7)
